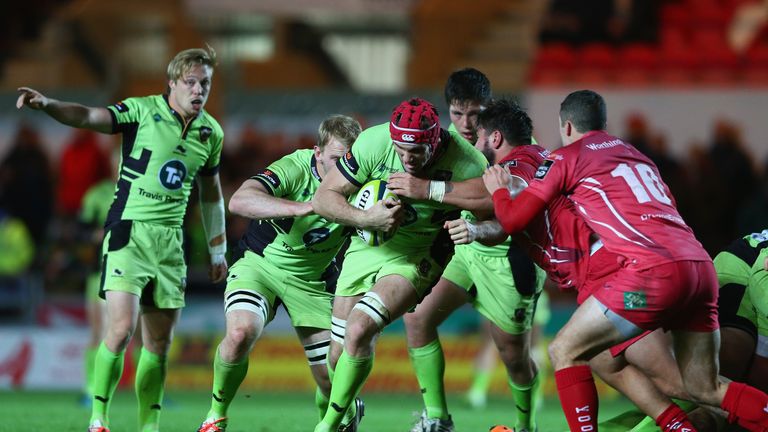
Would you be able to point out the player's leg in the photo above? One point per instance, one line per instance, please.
(95, 312)
(424, 347)
(737, 350)
(586, 334)
(316, 343)
(522, 374)
(342, 306)
(122, 312)
(484, 364)
(249, 300)
(696, 350)
(390, 298)
(509, 303)
(157, 333)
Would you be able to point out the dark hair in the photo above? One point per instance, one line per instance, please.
(506, 116)
(585, 109)
(467, 85)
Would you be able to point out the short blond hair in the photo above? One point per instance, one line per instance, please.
(343, 128)
(184, 60)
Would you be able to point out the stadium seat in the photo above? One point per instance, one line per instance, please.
(675, 16)
(555, 56)
(639, 56)
(598, 55)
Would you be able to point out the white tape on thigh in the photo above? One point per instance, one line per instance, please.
(249, 301)
(372, 305)
(317, 352)
(338, 329)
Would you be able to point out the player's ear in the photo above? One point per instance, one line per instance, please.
(497, 139)
(317, 151)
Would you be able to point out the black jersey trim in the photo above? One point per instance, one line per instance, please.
(744, 251)
(347, 175)
(523, 270)
(209, 171)
(313, 168)
(114, 122)
(265, 183)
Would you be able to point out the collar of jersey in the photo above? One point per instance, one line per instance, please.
(313, 166)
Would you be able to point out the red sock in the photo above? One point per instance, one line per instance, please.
(578, 397)
(746, 406)
(674, 419)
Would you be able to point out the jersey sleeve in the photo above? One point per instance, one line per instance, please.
(358, 164)
(280, 177)
(550, 177)
(125, 114)
(216, 138)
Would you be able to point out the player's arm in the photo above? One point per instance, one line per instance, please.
(253, 200)
(212, 210)
(69, 113)
(513, 214)
(489, 232)
(330, 202)
(468, 194)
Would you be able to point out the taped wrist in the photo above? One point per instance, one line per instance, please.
(436, 190)
(213, 225)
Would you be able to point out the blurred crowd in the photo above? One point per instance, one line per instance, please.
(721, 192)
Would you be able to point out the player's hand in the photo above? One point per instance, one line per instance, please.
(460, 231)
(217, 272)
(495, 178)
(384, 216)
(31, 98)
(407, 185)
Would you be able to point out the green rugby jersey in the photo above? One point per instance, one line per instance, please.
(373, 157)
(302, 246)
(96, 203)
(747, 249)
(160, 158)
(498, 250)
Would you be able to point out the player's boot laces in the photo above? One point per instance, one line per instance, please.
(214, 425)
(359, 413)
(424, 424)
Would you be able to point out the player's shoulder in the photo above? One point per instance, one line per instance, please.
(300, 158)
(377, 134)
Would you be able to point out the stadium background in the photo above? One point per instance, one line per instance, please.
(686, 81)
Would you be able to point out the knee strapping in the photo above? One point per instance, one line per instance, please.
(249, 301)
(317, 352)
(338, 329)
(372, 305)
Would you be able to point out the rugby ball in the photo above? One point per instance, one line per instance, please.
(500, 428)
(371, 193)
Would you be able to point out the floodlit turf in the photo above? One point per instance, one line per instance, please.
(261, 412)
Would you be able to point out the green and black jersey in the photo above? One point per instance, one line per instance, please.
(96, 203)
(373, 157)
(160, 158)
(302, 246)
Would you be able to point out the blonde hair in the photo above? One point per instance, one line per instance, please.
(344, 128)
(184, 60)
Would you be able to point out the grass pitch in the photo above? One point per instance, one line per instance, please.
(264, 412)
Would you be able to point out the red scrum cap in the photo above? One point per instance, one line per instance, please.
(415, 121)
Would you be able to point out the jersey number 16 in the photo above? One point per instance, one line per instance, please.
(647, 182)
